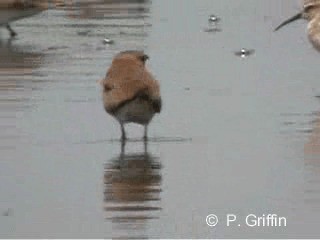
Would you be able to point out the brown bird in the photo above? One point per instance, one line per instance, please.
(310, 12)
(130, 92)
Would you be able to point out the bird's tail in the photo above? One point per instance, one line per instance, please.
(157, 105)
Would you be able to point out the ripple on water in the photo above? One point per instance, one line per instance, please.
(151, 140)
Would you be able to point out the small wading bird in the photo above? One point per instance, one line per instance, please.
(130, 93)
(12, 10)
(310, 12)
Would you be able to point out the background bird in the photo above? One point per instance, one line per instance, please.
(310, 12)
(12, 10)
(130, 92)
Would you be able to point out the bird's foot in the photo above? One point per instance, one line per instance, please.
(145, 138)
(12, 33)
(123, 138)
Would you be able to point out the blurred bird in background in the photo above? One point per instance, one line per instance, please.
(310, 12)
(13, 10)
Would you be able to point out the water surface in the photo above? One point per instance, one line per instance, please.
(236, 135)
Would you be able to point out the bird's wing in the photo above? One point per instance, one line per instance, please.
(116, 94)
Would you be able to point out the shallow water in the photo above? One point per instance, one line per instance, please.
(236, 135)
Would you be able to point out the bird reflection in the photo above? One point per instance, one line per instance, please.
(17, 66)
(312, 147)
(115, 9)
(15, 60)
(312, 167)
(132, 192)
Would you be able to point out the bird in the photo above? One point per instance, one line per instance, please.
(310, 12)
(12, 10)
(130, 93)
(213, 19)
(243, 53)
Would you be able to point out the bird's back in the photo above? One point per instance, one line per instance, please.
(126, 80)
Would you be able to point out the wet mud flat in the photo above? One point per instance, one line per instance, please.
(237, 135)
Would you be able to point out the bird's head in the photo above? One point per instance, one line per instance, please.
(311, 9)
(138, 55)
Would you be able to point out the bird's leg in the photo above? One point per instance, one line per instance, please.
(122, 154)
(12, 33)
(123, 133)
(145, 136)
(145, 147)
